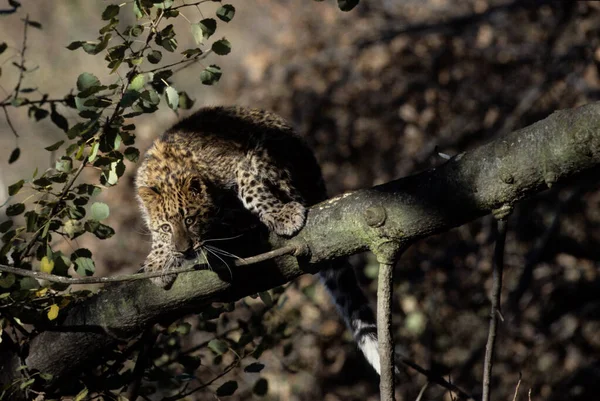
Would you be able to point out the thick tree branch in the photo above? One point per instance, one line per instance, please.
(468, 186)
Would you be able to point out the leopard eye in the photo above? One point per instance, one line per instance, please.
(189, 221)
(166, 228)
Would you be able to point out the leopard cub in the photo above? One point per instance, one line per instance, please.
(251, 152)
(255, 156)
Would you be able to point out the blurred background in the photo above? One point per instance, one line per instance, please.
(378, 92)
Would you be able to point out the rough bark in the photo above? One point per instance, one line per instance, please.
(488, 179)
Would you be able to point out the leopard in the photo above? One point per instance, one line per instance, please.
(257, 157)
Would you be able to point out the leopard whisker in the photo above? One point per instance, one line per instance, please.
(222, 252)
(206, 258)
(222, 239)
(222, 260)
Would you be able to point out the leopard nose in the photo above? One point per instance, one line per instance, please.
(184, 246)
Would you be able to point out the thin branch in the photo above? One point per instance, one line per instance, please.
(27, 102)
(384, 331)
(146, 342)
(433, 378)
(495, 308)
(188, 267)
(191, 4)
(231, 366)
(517, 388)
(22, 69)
(8, 120)
(422, 392)
(189, 61)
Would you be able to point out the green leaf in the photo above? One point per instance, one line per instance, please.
(7, 281)
(137, 82)
(75, 45)
(26, 383)
(100, 211)
(82, 395)
(111, 175)
(102, 231)
(261, 387)
(254, 367)
(219, 347)
(54, 146)
(58, 119)
(129, 97)
(172, 97)
(46, 376)
(94, 152)
(208, 27)
(84, 266)
(137, 30)
(108, 27)
(28, 283)
(3, 47)
(185, 102)
(110, 11)
(197, 33)
(166, 38)
(38, 113)
(221, 47)
(64, 164)
(226, 12)
(5, 226)
(132, 154)
(154, 56)
(211, 74)
(14, 155)
(150, 96)
(14, 188)
(347, 5)
(266, 298)
(34, 24)
(188, 53)
(227, 388)
(163, 3)
(15, 209)
(86, 81)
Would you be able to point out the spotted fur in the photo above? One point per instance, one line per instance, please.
(256, 155)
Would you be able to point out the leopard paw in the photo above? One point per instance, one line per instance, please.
(288, 220)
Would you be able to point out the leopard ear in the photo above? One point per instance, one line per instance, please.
(148, 194)
(196, 187)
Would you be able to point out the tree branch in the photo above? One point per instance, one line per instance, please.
(498, 264)
(468, 186)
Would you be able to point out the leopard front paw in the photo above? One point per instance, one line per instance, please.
(288, 220)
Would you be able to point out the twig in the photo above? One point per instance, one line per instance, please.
(517, 388)
(495, 308)
(286, 250)
(27, 102)
(208, 383)
(22, 69)
(8, 120)
(191, 4)
(190, 61)
(432, 377)
(422, 392)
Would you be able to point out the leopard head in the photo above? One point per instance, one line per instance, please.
(178, 213)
